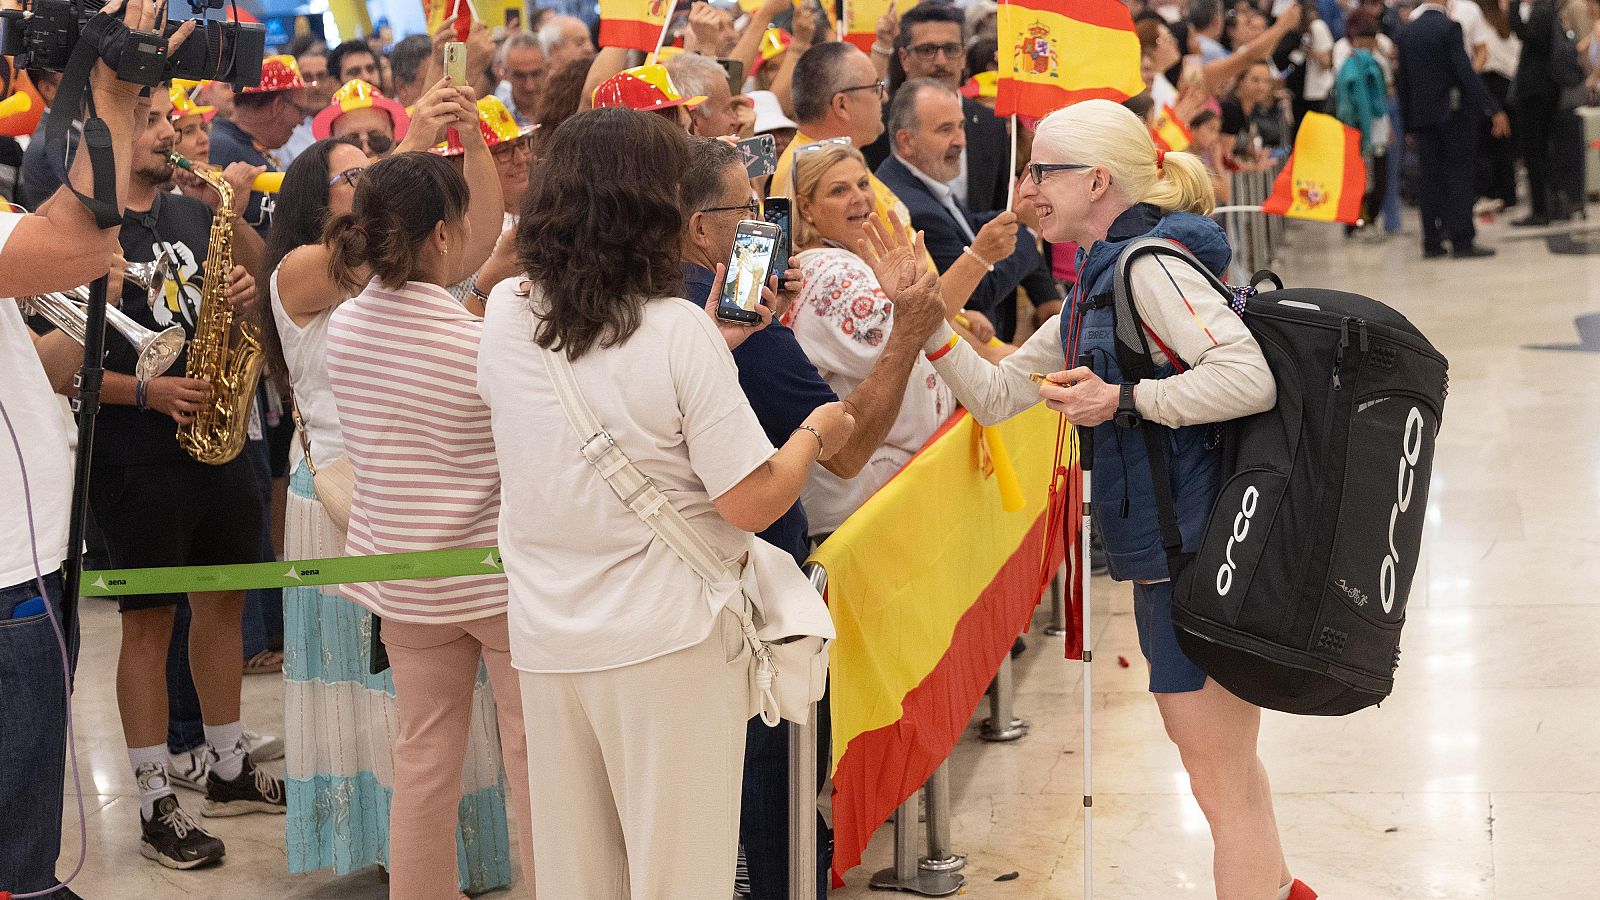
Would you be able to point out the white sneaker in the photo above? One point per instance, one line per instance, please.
(191, 767)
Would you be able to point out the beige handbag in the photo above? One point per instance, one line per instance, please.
(334, 481)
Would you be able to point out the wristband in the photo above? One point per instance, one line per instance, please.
(814, 433)
(881, 50)
(974, 254)
(949, 345)
(141, 394)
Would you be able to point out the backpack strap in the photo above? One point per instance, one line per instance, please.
(1136, 363)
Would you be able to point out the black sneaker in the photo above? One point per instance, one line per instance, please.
(175, 840)
(253, 791)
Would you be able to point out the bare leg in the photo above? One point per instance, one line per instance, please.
(216, 653)
(142, 675)
(1216, 735)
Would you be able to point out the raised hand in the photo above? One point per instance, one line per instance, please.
(895, 259)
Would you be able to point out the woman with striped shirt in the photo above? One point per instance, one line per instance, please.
(402, 364)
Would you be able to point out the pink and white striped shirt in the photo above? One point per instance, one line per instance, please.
(403, 365)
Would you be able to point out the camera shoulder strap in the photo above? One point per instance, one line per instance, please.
(71, 98)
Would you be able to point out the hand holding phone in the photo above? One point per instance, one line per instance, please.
(749, 268)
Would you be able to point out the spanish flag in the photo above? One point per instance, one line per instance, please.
(861, 19)
(634, 24)
(1171, 133)
(929, 583)
(1325, 178)
(1055, 53)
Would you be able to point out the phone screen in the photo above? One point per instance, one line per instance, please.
(776, 211)
(754, 247)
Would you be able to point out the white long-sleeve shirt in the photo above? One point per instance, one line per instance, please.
(1226, 374)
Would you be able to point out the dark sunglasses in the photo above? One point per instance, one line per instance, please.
(376, 143)
(1037, 171)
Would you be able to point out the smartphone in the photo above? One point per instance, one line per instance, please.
(777, 212)
(455, 63)
(760, 155)
(755, 246)
(735, 70)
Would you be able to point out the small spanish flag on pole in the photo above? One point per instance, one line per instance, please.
(1171, 133)
(1054, 53)
(633, 24)
(1325, 178)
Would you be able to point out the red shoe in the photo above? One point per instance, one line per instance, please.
(1299, 891)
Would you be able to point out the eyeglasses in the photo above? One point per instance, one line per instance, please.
(881, 87)
(927, 52)
(348, 176)
(1037, 171)
(522, 146)
(751, 209)
(794, 169)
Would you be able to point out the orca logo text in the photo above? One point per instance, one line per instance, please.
(1410, 452)
(1241, 530)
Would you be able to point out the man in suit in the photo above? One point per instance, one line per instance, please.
(925, 124)
(1442, 100)
(929, 46)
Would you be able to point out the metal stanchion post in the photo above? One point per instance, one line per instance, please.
(1058, 604)
(803, 788)
(905, 875)
(940, 858)
(1002, 724)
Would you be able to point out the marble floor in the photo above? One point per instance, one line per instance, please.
(1478, 779)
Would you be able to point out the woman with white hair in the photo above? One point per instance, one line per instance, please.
(1097, 179)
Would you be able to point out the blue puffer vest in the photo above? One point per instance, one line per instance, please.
(1123, 493)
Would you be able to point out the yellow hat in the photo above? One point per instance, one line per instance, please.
(357, 94)
(183, 105)
(496, 124)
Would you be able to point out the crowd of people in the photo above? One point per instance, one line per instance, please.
(433, 244)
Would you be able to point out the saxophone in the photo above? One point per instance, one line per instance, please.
(226, 349)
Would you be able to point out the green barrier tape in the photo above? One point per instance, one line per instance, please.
(294, 573)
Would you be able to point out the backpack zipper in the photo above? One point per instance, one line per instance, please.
(1338, 356)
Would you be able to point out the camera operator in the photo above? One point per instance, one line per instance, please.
(33, 539)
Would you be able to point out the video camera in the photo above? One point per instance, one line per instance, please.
(46, 33)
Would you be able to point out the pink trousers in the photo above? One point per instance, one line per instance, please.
(435, 672)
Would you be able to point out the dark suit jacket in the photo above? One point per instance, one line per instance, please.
(945, 240)
(988, 154)
(1435, 78)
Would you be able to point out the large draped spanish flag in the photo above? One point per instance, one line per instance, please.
(1325, 178)
(634, 24)
(1055, 53)
(930, 582)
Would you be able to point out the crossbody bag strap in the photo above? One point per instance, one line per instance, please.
(632, 486)
(305, 433)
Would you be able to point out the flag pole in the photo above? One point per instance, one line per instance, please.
(661, 39)
(1011, 172)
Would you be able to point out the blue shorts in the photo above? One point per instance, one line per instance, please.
(1170, 671)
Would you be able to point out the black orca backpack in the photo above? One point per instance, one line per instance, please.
(1296, 595)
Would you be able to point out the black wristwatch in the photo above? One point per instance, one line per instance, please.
(1127, 414)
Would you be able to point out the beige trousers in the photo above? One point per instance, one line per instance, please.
(639, 771)
(435, 673)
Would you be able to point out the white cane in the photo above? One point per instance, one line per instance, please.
(1086, 462)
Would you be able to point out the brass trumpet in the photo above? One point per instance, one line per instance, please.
(68, 311)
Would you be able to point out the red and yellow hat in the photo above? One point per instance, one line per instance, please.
(773, 44)
(495, 123)
(357, 94)
(643, 88)
(278, 73)
(183, 105)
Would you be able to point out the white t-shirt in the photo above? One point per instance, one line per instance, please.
(592, 587)
(843, 320)
(1319, 78)
(35, 416)
(1503, 53)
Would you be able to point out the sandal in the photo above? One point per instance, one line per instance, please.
(264, 663)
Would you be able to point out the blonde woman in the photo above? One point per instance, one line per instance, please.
(1097, 179)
